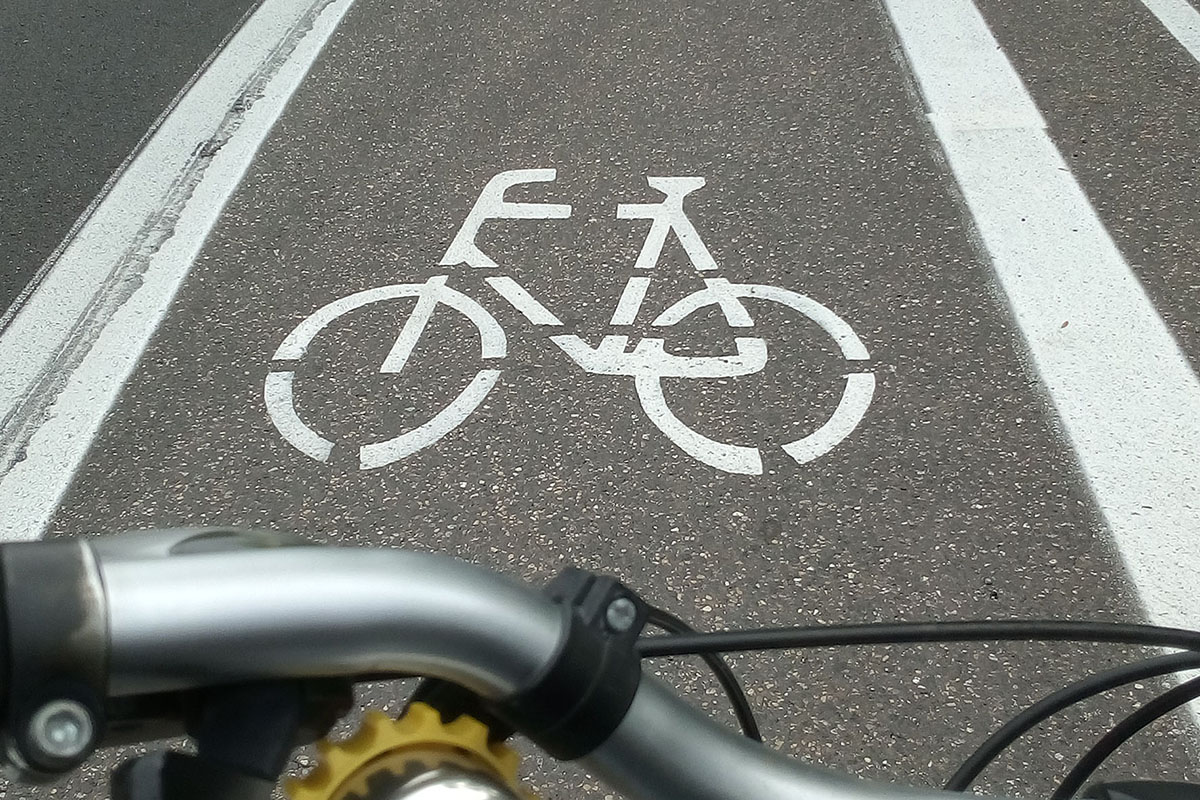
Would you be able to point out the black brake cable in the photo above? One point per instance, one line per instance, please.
(729, 682)
(915, 633)
(1053, 703)
(1121, 732)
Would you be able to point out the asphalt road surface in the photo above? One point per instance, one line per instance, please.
(83, 83)
(836, 231)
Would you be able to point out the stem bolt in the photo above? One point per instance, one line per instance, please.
(620, 615)
(62, 729)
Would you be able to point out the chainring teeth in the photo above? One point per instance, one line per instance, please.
(470, 730)
(346, 764)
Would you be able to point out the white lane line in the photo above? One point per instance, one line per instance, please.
(1181, 19)
(73, 344)
(1127, 398)
(79, 222)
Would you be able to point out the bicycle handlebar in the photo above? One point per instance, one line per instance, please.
(183, 610)
(307, 611)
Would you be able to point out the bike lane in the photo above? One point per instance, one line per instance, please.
(954, 496)
(1123, 96)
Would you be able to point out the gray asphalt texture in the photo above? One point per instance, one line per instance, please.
(82, 82)
(1119, 96)
(956, 498)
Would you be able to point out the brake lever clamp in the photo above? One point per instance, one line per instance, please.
(584, 693)
(244, 735)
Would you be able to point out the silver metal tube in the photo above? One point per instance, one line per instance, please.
(667, 750)
(182, 615)
(448, 782)
(182, 620)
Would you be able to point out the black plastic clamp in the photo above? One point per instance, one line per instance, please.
(581, 698)
(55, 640)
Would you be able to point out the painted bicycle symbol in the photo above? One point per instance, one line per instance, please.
(647, 362)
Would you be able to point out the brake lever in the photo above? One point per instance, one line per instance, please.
(244, 735)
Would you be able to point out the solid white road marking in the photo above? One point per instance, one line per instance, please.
(731, 307)
(631, 301)
(650, 359)
(491, 205)
(381, 454)
(523, 301)
(278, 391)
(296, 343)
(1181, 19)
(648, 362)
(397, 357)
(1128, 400)
(69, 350)
(668, 216)
(279, 395)
(856, 399)
(838, 329)
(852, 407)
(720, 455)
(493, 343)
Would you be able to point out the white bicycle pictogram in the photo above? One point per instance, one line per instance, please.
(647, 362)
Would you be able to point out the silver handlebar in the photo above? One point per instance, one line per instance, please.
(181, 620)
(665, 748)
(293, 612)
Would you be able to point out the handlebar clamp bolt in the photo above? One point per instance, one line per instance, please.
(620, 615)
(62, 729)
